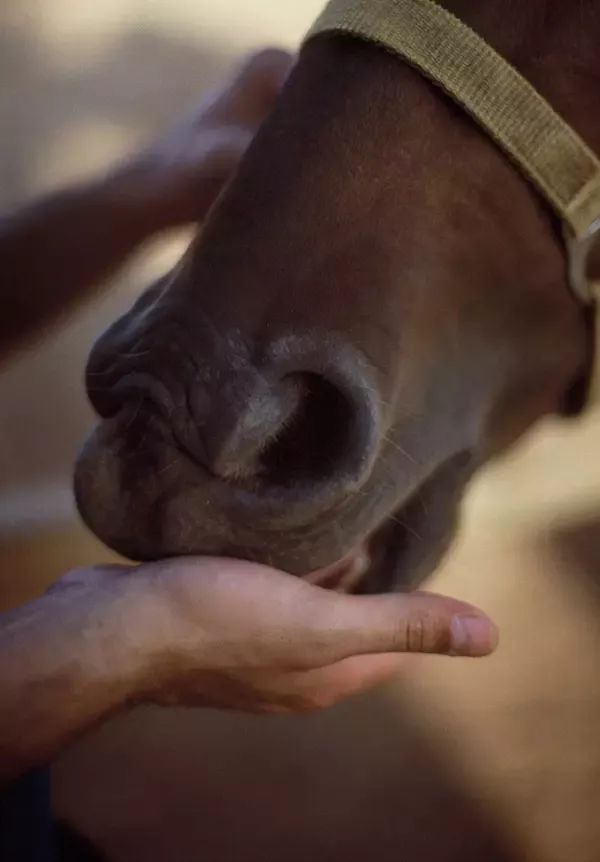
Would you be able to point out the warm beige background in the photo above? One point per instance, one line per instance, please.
(497, 761)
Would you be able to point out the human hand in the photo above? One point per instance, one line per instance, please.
(236, 635)
(180, 175)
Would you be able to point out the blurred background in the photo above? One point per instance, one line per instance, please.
(497, 761)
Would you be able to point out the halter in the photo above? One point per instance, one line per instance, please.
(548, 151)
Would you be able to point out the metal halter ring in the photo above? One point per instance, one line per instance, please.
(579, 250)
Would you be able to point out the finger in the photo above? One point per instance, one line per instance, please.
(346, 626)
(252, 93)
(265, 72)
(321, 688)
(349, 677)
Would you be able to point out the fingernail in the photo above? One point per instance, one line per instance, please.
(473, 636)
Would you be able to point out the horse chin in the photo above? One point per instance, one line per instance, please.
(409, 545)
(362, 572)
(392, 559)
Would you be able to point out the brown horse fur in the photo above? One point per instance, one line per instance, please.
(377, 306)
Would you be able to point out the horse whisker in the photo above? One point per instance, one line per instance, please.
(406, 527)
(400, 449)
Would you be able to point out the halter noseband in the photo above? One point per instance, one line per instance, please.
(549, 152)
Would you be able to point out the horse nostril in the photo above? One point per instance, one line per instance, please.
(306, 431)
(314, 441)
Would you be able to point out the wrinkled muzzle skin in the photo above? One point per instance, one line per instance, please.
(377, 306)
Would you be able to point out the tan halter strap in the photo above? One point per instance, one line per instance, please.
(500, 99)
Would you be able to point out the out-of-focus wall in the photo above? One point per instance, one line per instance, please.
(496, 761)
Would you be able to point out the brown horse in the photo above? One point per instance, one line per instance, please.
(377, 306)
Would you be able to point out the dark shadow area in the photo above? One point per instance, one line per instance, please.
(577, 545)
(73, 847)
(357, 783)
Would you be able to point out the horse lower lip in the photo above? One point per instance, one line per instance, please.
(344, 575)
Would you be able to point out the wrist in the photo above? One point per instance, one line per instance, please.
(131, 636)
(68, 661)
(96, 616)
(148, 649)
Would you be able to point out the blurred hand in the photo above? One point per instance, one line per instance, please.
(235, 635)
(182, 173)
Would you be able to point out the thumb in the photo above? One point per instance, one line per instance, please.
(409, 623)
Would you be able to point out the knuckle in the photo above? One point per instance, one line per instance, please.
(424, 633)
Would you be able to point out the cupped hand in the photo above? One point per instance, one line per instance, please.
(236, 635)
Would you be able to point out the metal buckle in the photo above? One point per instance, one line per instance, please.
(579, 249)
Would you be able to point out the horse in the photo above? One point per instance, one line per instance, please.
(377, 306)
